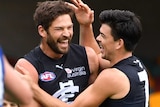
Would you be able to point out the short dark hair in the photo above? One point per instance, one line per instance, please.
(124, 24)
(48, 11)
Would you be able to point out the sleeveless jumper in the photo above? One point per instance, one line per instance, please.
(138, 95)
(63, 78)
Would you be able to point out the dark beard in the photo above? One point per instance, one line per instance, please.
(53, 45)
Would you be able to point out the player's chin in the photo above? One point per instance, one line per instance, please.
(64, 50)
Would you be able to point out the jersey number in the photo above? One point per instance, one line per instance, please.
(143, 77)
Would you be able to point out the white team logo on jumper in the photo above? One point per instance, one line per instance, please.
(67, 90)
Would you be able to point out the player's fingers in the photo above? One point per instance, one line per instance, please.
(72, 6)
(77, 2)
(85, 7)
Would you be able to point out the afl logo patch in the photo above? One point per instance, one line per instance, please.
(47, 76)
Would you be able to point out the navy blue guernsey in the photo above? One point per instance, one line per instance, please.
(63, 78)
(138, 95)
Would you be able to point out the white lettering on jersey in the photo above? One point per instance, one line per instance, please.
(67, 90)
(78, 71)
(144, 77)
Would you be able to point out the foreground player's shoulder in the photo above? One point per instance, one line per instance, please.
(28, 66)
(23, 62)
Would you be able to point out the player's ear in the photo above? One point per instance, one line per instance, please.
(42, 32)
(120, 43)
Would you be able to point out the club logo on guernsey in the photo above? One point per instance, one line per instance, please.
(47, 76)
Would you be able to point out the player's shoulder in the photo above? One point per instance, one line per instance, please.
(112, 73)
(24, 63)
